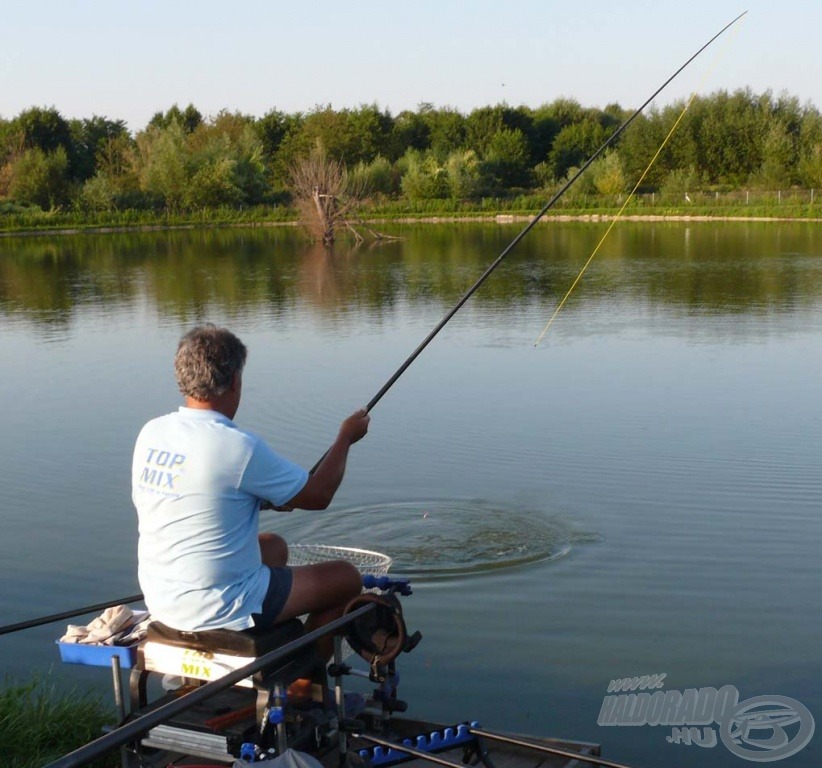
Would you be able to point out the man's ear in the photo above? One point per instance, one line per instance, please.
(235, 382)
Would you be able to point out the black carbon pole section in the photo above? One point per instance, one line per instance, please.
(519, 742)
(68, 614)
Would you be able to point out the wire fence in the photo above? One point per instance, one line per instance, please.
(734, 198)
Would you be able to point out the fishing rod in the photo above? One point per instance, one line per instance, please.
(9, 628)
(531, 224)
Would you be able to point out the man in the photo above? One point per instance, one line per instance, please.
(198, 482)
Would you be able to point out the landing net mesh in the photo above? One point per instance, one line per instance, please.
(364, 560)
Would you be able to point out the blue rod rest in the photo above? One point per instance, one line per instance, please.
(436, 741)
(403, 586)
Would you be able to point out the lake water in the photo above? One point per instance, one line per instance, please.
(638, 495)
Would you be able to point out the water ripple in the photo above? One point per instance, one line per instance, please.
(435, 539)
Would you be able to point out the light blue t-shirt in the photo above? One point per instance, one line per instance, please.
(197, 483)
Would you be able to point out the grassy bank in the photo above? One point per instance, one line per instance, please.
(38, 723)
(36, 221)
(729, 205)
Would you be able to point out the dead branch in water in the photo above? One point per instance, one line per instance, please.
(326, 196)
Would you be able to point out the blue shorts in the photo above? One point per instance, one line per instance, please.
(279, 588)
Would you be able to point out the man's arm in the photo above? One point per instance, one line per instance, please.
(321, 486)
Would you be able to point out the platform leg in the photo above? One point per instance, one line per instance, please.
(279, 700)
(339, 695)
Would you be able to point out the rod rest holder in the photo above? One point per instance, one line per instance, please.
(412, 642)
(387, 584)
(338, 670)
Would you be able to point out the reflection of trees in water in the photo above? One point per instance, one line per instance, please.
(339, 280)
(320, 275)
(699, 267)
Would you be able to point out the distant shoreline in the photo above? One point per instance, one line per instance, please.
(507, 218)
(501, 218)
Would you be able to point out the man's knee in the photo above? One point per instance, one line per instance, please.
(350, 578)
(273, 549)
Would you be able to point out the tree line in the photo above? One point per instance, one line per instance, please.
(183, 161)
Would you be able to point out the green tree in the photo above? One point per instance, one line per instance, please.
(88, 137)
(463, 174)
(98, 193)
(680, 181)
(44, 128)
(544, 128)
(563, 112)
(273, 127)
(484, 124)
(778, 155)
(164, 164)
(219, 163)
(506, 159)
(582, 188)
(371, 130)
(116, 183)
(213, 184)
(227, 162)
(574, 144)
(607, 175)
(446, 129)
(322, 125)
(732, 128)
(189, 118)
(638, 145)
(41, 177)
(410, 131)
(809, 165)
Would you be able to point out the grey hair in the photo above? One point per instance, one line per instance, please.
(207, 359)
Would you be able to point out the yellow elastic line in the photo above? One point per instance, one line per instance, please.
(632, 193)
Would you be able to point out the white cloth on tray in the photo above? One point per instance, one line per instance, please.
(111, 626)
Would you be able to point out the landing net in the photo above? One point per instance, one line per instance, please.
(364, 560)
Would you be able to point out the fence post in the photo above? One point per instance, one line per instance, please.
(779, 196)
(811, 195)
(747, 197)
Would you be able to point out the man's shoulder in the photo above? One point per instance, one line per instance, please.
(158, 422)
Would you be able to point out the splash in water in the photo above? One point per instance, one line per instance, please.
(443, 538)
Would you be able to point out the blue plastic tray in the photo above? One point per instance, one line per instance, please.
(97, 655)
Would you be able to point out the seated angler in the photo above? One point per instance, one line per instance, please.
(198, 483)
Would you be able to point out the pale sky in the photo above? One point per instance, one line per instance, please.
(127, 61)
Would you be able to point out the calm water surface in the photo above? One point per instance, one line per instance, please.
(640, 494)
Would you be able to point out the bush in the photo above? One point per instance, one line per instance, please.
(424, 177)
(40, 177)
(376, 177)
